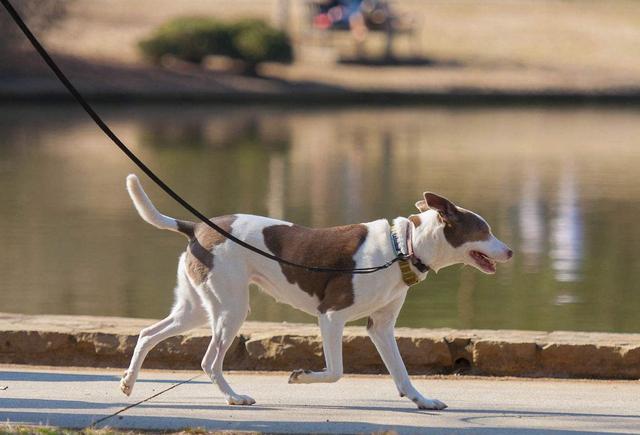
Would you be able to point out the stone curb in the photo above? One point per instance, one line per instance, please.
(109, 342)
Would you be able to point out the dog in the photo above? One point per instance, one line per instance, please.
(214, 276)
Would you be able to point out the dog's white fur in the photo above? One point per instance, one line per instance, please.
(223, 299)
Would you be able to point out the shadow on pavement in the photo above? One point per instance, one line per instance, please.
(55, 377)
(492, 412)
(73, 377)
(124, 421)
(501, 412)
(164, 405)
(57, 404)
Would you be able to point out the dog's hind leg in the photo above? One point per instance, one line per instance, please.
(331, 327)
(380, 328)
(182, 319)
(229, 308)
(186, 314)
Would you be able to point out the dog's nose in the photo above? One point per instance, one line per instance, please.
(509, 253)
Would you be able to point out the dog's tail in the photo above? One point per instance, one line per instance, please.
(150, 213)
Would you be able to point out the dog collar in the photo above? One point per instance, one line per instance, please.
(402, 243)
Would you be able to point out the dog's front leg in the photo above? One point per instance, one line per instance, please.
(331, 328)
(380, 329)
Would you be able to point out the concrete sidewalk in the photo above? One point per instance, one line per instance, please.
(356, 404)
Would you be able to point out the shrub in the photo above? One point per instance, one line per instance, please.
(189, 39)
(193, 38)
(256, 42)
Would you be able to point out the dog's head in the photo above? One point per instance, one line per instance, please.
(461, 236)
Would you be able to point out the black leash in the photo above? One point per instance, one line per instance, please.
(105, 128)
(107, 417)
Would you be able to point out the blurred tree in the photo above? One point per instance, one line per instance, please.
(40, 16)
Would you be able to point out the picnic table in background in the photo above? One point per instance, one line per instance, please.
(361, 19)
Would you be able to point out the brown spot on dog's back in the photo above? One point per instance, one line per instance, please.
(199, 251)
(466, 227)
(415, 219)
(325, 247)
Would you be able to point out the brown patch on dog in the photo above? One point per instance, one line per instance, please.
(186, 227)
(460, 225)
(415, 219)
(325, 247)
(465, 227)
(201, 244)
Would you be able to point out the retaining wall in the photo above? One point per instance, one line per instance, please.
(109, 342)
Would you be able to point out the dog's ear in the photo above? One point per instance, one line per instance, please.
(422, 205)
(445, 208)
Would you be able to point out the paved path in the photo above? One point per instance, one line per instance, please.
(79, 398)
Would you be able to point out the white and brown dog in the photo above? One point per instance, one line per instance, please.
(214, 276)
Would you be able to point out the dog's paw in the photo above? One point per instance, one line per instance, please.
(239, 399)
(433, 404)
(296, 375)
(126, 384)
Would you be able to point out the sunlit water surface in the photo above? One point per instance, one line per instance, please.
(561, 186)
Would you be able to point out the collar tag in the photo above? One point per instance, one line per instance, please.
(408, 275)
(401, 235)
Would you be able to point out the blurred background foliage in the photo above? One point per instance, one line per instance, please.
(192, 39)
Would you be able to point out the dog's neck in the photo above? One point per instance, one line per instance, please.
(429, 243)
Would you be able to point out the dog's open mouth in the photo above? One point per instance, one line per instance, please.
(484, 262)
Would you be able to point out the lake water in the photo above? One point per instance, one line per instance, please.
(560, 186)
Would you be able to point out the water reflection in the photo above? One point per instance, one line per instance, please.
(566, 230)
(541, 178)
(531, 222)
(276, 193)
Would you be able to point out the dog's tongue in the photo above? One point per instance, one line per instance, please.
(483, 261)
